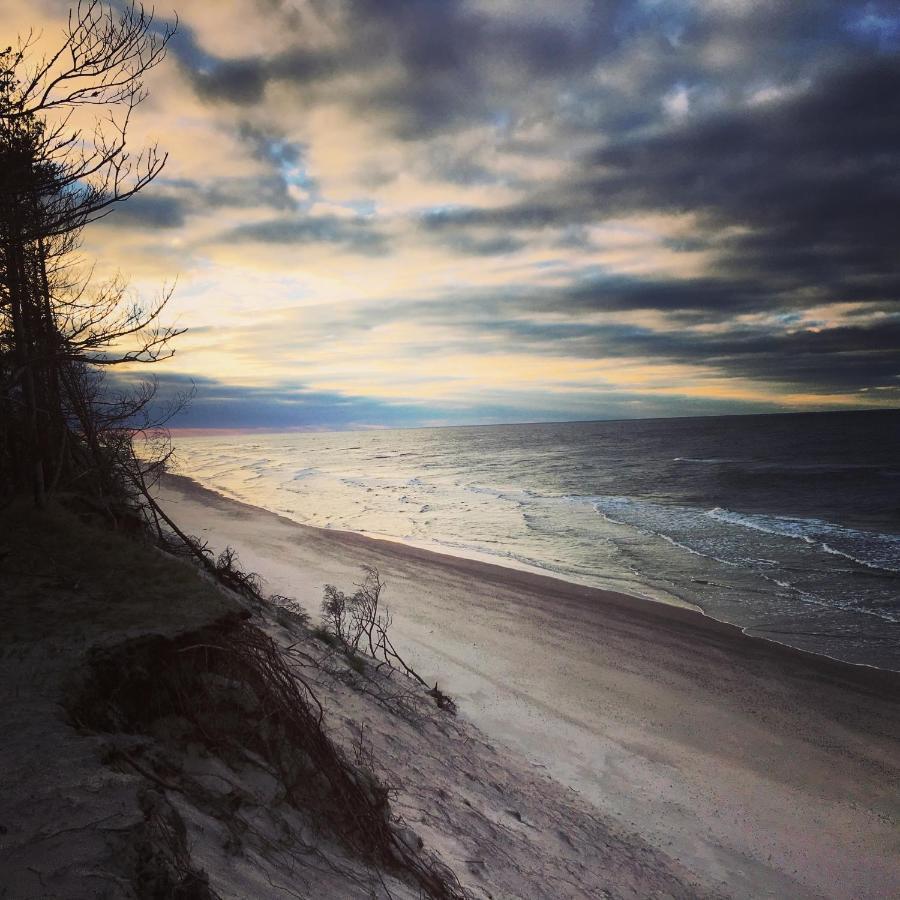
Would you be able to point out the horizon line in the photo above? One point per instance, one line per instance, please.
(192, 431)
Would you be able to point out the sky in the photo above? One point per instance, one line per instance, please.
(428, 212)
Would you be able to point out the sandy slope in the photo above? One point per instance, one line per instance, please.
(764, 771)
(104, 810)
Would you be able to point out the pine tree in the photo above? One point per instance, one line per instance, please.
(56, 331)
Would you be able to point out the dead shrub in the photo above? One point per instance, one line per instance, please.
(359, 621)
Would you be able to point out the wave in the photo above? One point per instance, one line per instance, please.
(712, 460)
(646, 527)
(683, 527)
(789, 468)
(700, 533)
(872, 549)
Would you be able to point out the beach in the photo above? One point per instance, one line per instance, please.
(763, 770)
(148, 751)
(450, 450)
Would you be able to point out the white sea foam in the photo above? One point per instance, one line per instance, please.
(880, 551)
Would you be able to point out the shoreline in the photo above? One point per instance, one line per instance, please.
(522, 574)
(439, 549)
(722, 749)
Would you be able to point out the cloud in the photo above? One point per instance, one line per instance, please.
(218, 404)
(797, 199)
(243, 81)
(148, 211)
(354, 235)
(466, 207)
(808, 183)
(286, 406)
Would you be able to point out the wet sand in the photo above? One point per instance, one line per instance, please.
(764, 770)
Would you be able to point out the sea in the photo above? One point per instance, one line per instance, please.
(786, 525)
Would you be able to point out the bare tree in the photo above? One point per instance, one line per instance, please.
(64, 162)
(101, 63)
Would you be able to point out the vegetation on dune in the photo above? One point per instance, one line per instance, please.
(360, 622)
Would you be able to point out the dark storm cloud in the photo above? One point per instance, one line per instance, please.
(243, 81)
(791, 196)
(718, 298)
(456, 66)
(149, 211)
(425, 64)
(785, 151)
(814, 178)
(354, 235)
(445, 58)
(440, 65)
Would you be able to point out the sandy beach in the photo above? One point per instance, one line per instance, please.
(764, 771)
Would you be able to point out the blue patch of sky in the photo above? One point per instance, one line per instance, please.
(290, 159)
(668, 16)
(440, 211)
(876, 22)
(502, 119)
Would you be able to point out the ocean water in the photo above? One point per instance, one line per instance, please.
(786, 525)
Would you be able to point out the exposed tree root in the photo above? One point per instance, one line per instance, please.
(230, 688)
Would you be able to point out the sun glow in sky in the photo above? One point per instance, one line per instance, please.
(423, 212)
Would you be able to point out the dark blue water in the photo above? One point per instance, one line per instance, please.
(786, 525)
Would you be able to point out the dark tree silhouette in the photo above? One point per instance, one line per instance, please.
(58, 174)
